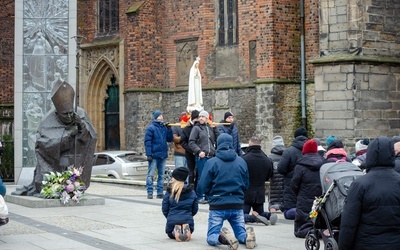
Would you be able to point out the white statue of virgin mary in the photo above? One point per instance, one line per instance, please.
(195, 96)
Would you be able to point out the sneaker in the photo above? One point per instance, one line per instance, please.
(186, 231)
(160, 196)
(259, 218)
(150, 196)
(273, 218)
(226, 237)
(250, 238)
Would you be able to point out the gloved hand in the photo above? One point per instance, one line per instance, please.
(166, 124)
(149, 158)
(232, 125)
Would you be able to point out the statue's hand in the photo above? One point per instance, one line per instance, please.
(72, 131)
(78, 121)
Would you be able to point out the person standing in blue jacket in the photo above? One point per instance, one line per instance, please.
(155, 142)
(231, 129)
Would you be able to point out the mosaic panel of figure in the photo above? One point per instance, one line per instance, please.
(45, 60)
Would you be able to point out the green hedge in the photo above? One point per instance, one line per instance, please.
(7, 159)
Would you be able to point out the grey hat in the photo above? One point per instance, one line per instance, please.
(203, 113)
(277, 141)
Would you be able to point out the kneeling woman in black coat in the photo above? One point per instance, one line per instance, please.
(179, 206)
(306, 185)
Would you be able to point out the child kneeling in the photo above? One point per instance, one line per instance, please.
(179, 206)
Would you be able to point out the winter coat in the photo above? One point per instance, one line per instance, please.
(336, 152)
(275, 196)
(371, 214)
(306, 185)
(181, 212)
(225, 178)
(233, 130)
(155, 140)
(178, 149)
(260, 170)
(2, 188)
(286, 168)
(185, 138)
(203, 138)
(336, 155)
(397, 163)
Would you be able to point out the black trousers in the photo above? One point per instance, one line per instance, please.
(191, 163)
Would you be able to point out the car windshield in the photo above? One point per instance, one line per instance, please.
(132, 158)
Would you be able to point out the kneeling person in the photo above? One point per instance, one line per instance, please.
(224, 180)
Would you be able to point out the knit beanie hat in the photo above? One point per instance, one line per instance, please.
(156, 114)
(395, 139)
(194, 115)
(330, 139)
(180, 174)
(300, 131)
(362, 144)
(277, 141)
(204, 113)
(227, 114)
(310, 147)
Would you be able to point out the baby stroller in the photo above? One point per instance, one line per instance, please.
(336, 179)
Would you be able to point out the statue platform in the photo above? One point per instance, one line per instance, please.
(35, 202)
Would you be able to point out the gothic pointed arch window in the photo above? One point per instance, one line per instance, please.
(108, 20)
(227, 22)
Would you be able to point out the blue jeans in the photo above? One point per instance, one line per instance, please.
(200, 162)
(180, 161)
(290, 214)
(216, 220)
(160, 165)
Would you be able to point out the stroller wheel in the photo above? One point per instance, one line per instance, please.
(312, 243)
(331, 244)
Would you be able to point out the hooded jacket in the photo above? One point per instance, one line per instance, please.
(306, 185)
(181, 212)
(371, 214)
(225, 178)
(286, 168)
(336, 152)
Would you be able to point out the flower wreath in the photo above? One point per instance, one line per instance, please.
(64, 186)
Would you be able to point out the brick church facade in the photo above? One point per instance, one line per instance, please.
(140, 53)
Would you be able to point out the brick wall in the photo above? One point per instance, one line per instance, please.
(7, 52)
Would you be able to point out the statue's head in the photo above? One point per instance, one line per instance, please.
(62, 96)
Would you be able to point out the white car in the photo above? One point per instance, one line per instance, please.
(120, 165)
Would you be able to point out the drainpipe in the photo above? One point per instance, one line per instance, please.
(303, 66)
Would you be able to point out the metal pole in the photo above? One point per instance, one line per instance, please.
(78, 40)
(303, 66)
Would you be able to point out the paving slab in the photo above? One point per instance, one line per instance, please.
(127, 220)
